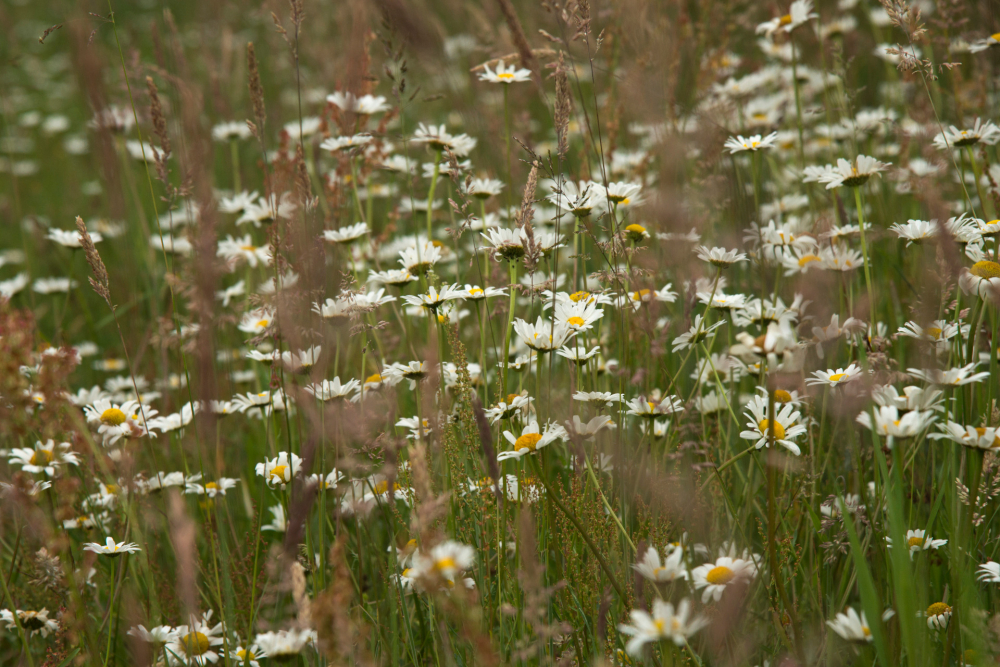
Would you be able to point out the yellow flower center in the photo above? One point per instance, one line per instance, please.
(625, 202)
(212, 485)
(985, 269)
(982, 431)
(640, 294)
(475, 291)
(720, 575)
(41, 457)
(278, 473)
(785, 20)
(937, 609)
(660, 625)
(805, 259)
(866, 631)
(635, 229)
(243, 654)
(915, 541)
(248, 248)
(765, 425)
(263, 323)
(576, 321)
(112, 417)
(373, 378)
(995, 36)
(511, 397)
(837, 377)
(933, 332)
(527, 441)
(782, 396)
(194, 643)
(446, 563)
(576, 297)
(505, 76)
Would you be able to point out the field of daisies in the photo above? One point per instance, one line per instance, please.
(450, 333)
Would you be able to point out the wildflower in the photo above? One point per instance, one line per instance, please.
(835, 378)
(938, 614)
(284, 645)
(981, 437)
(579, 430)
(514, 404)
(624, 194)
(636, 233)
(846, 174)
(953, 377)
(785, 428)
(531, 439)
(543, 336)
(194, 643)
(279, 521)
(696, 334)
(234, 250)
(916, 230)
(888, 423)
(719, 257)
(799, 13)
(715, 576)
(670, 569)
(663, 623)
(418, 259)
(507, 244)
(987, 43)
(346, 234)
(604, 397)
(45, 458)
(334, 144)
(70, 239)
(446, 561)
(250, 654)
(210, 489)
(329, 390)
(919, 540)
(852, 627)
(987, 133)
(438, 138)
(111, 548)
(640, 407)
(256, 321)
(157, 636)
(366, 105)
(989, 572)
(32, 621)
(982, 278)
(279, 471)
(754, 143)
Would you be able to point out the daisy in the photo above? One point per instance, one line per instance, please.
(938, 614)
(279, 522)
(483, 188)
(210, 489)
(334, 144)
(531, 440)
(111, 548)
(447, 561)
(607, 398)
(44, 458)
(640, 407)
(662, 624)
(249, 654)
(434, 298)
(543, 336)
(940, 332)
(785, 429)
(234, 250)
(719, 257)
(852, 627)
(194, 644)
(987, 133)
(916, 230)
(507, 244)
(302, 361)
(438, 138)
(514, 404)
(983, 278)
(989, 572)
(888, 422)
(578, 316)
(256, 321)
(982, 437)
(70, 239)
(715, 576)
(754, 143)
(799, 13)
(581, 431)
(417, 259)
(835, 378)
(346, 234)
(918, 540)
(393, 277)
(267, 210)
(696, 334)
(951, 377)
(635, 233)
(578, 199)
(157, 636)
(670, 569)
(279, 471)
(984, 44)
(329, 390)
(229, 131)
(624, 194)
(722, 301)
(413, 371)
(504, 74)
(364, 105)
(32, 621)
(284, 645)
(846, 174)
